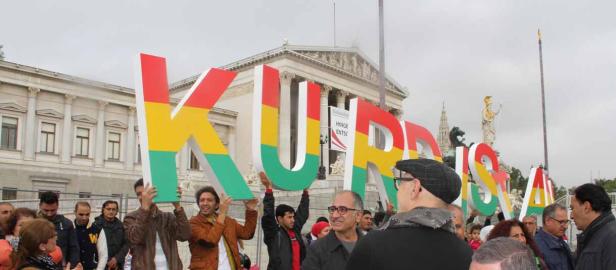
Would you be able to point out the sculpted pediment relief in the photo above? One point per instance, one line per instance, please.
(348, 61)
(12, 106)
(50, 113)
(84, 119)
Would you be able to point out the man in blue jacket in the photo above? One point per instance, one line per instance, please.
(550, 241)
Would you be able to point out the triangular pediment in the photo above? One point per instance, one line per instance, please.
(349, 61)
(49, 113)
(115, 123)
(12, 106)
(84, 119)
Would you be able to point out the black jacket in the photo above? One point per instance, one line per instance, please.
(117, 245)
(417, 247)
(327, 253)
(88, 236)
(597, 244)
(277, 239)
(67, 239)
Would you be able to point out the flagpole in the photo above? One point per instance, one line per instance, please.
(381, 58)
(545, 136)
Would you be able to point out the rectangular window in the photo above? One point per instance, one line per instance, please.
(113, 146)
(48, 137)
(82, 142)
(9, 193)
(194, 162)
(139, 153)
(84, 195)
(8, 133)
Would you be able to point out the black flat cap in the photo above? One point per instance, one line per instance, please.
(438, 178)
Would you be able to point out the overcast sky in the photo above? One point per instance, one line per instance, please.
(455, 52)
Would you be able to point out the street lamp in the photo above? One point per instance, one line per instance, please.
(322, 170)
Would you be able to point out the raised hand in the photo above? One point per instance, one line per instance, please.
(223, 207)
(265, 181)
(149, 192)
(177, 204)
(251, 204)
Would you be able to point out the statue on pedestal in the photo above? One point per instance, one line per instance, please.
(487, 124)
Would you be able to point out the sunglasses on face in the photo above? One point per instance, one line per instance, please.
(340, 209)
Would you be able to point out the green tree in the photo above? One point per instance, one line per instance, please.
(1, 53)
(560, 192)
(517, 180)
(608, 184)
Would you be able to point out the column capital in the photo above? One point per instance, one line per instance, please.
(325, 90)
(33, 91)
(68, 99)
(102, 104)
(286, 77)
(341, 94)
(131, 110)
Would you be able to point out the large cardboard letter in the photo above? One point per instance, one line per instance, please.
(362, 158)
(418, 135)
(265, 131)
(536, 195)
(462, 171)
(484, 166)
(164, 132)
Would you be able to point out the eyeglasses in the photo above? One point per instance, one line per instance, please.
(561, 222)
(529, 223)
(398, 181)
(341, 209)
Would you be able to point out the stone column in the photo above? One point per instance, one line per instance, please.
(129, 162)
(340, 100)
(232, 142)
(100, 135)
(284, 120)
(67, 131)
(325, 124)
(30, 141)
(183, 157)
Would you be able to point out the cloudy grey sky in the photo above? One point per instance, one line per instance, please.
(450, 51)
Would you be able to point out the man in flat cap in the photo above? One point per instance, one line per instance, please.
(422, 234)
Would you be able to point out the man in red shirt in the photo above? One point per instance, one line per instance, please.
(282, 230)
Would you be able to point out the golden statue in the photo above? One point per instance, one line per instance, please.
(487, 124)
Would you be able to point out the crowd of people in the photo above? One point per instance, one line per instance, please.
(426, 232)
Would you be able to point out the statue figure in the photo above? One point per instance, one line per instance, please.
(456, 137)
(487, 124)
(337, 168)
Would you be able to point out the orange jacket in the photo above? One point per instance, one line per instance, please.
(205, 235)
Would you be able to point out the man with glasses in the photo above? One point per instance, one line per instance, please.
(531, 224)
(550, 241)
(333, 251)
(422, 234)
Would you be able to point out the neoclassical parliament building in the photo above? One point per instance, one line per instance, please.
(70, 134)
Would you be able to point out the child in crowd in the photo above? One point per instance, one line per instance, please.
(475, 241)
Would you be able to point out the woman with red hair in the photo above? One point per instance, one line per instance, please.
(516, 230)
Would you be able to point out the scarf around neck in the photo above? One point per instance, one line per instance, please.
(41, 261)
(435, 218)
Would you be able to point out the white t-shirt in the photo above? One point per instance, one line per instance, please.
(159, 259)
(223, 259)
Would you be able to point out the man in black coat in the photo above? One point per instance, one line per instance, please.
(591, 210)
(67, 237)
(282, 230)
(332, 251)
(117, 245)
(422, 234)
